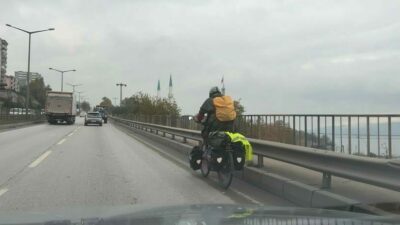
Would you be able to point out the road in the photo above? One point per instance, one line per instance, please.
(44, 167)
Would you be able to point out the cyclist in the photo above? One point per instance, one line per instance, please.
(220, 113)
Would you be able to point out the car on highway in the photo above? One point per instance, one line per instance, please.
(102, 111)
(93, 118)
(82, 114)
(104, 116)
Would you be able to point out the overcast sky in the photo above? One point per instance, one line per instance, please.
(276, 56)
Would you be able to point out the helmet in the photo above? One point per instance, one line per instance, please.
(213, 91)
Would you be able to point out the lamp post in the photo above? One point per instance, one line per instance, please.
(62, 75)
(73, 86)
(29, 60)
(120, 92)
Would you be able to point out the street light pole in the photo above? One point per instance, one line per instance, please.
(62, 80)
(29, 61)
(62, 75)
(120, 92)
(73, 86)
(28, 77)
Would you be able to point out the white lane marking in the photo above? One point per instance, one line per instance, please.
(246, 196)
(69, 135)
(62, 141)
(3, 191)
(40, 159)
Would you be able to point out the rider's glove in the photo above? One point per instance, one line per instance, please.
(198, 118)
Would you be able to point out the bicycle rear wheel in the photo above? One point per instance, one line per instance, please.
(205, 167)
(225, 173)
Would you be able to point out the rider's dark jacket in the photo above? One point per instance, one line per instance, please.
(212, 123)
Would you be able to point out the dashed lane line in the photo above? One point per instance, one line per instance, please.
(40, 159)
(61, 141)
(3, 191)
(246, 196)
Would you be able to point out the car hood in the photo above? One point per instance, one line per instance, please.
(191, 214)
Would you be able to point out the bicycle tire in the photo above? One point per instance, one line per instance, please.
(225, 174)
(204, 167)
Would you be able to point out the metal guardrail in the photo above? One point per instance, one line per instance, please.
(9, 118)
(375, 171)
(373, 135)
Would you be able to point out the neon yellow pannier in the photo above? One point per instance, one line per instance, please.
(237, 137)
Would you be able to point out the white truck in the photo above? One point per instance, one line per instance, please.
(60, 107)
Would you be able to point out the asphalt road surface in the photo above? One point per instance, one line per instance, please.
(44, 167)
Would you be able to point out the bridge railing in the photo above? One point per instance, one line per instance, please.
(375, 171)
(373, 135)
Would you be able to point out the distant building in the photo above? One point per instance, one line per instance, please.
(158, 89)
(10, 83)
(20, 76)
(170, 94)
(3, 57)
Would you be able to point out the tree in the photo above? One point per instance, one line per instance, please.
(85, 106)
(239, 107)
(144, 104)
(106, 102)
(38, 90)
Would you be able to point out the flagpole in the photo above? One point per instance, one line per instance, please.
(223, 86)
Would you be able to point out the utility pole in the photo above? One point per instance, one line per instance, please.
(79, 97)
(29, 61)
(73, 93)
(120, 92)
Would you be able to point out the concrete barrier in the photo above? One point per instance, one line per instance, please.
(298, 193)
(268, 181)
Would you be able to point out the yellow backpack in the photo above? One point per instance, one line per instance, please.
(224, 108)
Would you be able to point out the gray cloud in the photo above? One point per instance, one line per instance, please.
(277, 56)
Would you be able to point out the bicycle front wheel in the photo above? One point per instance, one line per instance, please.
(225, 173)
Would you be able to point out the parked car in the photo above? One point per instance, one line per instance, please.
(15, 111)
(93, 118)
